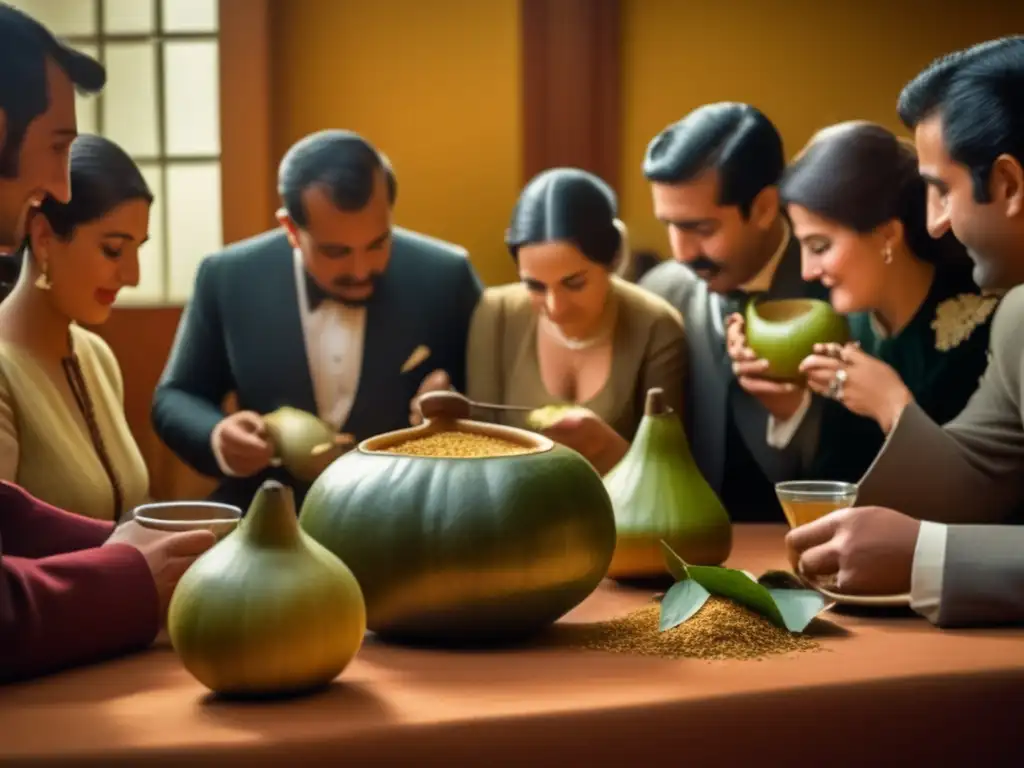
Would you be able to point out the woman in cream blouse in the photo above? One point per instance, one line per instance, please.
(63, 433)
(572, 331)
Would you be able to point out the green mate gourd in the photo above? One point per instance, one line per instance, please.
(659, 494)
(784, 332)
(451, 545)
(304, 443)
(267, 610)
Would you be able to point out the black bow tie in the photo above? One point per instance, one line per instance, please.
(315, 295)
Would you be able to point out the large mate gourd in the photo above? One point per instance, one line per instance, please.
(658, 493)
(267, 610)
(451, 546)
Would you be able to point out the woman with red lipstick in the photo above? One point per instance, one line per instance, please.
(63, 433)
(919, 324)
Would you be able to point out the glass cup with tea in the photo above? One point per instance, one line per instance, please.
(804, 501)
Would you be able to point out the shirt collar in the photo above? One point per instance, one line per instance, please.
(762, 281)
(310, 293)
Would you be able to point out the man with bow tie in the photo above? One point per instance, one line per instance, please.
(321, 314)
(713, 178)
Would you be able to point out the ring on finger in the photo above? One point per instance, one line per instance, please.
(838, 382)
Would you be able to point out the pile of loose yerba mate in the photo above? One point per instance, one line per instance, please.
(457, 445)
(720, 630)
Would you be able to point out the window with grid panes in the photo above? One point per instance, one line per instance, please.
(162, 105)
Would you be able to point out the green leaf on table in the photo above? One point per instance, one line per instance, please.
(736, 586)
(798, 606)
(683, 600)
(779, 596)
(675, 564)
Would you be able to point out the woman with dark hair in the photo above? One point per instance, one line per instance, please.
(572, 331)
(63, 433)
(919, 324)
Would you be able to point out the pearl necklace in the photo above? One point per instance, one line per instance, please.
(603, 332)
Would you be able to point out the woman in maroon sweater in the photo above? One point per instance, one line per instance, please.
(69, 593)
(72, 590)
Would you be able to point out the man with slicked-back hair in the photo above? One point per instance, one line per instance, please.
(320, 314)
(714, 177)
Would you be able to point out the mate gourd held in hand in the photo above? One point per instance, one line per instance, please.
(303, 443)
(267, 610)
(461, 531)
(659, 494)
(784, 332)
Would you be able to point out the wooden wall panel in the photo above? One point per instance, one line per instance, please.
(571, 85)
(142, 338)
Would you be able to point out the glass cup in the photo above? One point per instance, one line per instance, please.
(804, 501)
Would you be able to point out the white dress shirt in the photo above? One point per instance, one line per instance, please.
(779, 432)
(334, 334)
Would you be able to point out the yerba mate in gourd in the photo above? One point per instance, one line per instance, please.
(461, 531)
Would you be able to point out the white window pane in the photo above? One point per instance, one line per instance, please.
(193, 222)
(190, 15)
(86, 106)
(128, 17)
(151, 289)
(192, 98)
(62, 17)
(129, 100)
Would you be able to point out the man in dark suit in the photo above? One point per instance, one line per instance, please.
(320, 314)
(713, 177)
(939, 505)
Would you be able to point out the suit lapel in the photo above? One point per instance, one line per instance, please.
(284, 344)
(710, 391)
(384, 336)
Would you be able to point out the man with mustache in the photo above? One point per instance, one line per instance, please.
(713, 178)
(72, 590)
(958, 490)
(320, 314)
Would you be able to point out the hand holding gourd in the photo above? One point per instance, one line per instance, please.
(780, 398)
(241, 439)
(871, 388)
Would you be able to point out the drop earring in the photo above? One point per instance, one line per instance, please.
(43, 281)
(887, 254)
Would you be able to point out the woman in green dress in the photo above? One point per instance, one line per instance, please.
(919, 325)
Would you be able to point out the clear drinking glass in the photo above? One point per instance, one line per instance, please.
(804, 501)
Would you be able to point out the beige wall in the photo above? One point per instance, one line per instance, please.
(435, 84)
(805, 63)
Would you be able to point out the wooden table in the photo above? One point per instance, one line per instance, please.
(888, 688)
